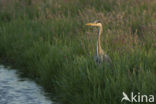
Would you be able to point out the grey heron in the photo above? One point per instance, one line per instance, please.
(100, 55)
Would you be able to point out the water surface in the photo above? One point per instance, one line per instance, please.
(13, 90)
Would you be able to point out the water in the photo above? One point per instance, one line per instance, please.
(15, 91)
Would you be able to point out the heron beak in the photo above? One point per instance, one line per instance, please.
(91, 24)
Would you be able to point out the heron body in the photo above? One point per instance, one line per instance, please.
(100, 55)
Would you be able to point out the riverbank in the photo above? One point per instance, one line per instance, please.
(49, 42)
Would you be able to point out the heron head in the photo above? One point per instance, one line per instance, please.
(96, 23)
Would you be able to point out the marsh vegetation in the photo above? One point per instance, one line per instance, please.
(50, 43)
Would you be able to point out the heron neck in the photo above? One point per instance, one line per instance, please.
(99, 49)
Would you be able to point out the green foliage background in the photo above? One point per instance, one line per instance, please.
(49, 42)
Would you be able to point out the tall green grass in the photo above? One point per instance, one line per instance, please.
(49, 42)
